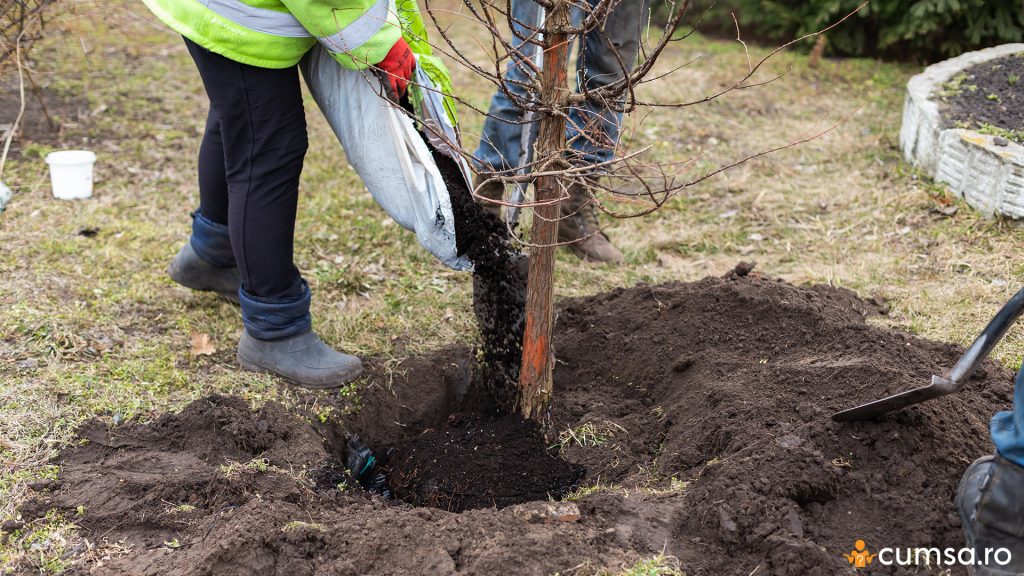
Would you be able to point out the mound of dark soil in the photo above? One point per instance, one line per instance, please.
(728, 384)
(991, 93)
(699, 411)
(222, 489)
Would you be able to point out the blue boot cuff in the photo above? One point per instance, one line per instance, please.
(211, 241)
(275, 318)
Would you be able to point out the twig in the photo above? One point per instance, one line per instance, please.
(38, 93)
(750, 66)
(21, 109)
(16, 17)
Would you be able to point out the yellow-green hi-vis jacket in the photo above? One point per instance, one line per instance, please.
(277, 33)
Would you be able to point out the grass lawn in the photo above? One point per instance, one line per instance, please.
(91, 326)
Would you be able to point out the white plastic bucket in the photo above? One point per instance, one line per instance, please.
(5, 196)
(71, 173)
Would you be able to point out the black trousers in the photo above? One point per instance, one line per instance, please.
(249, 166)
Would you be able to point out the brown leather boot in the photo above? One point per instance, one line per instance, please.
(579, 220)
(495, 190)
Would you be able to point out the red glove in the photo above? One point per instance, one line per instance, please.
(397, 67)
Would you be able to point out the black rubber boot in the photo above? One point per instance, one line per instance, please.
(303, 359)
(191, 271)
(990, 500)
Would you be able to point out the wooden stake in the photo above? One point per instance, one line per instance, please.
(538, 358)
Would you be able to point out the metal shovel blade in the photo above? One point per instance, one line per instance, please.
(956, 378)
(939, 387)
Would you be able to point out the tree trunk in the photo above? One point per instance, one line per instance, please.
(538, 358)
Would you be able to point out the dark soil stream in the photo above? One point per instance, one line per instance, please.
(726, 385)
(499, 289)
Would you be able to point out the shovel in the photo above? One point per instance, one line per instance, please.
(955, 379)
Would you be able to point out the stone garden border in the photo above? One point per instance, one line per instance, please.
(987, 172)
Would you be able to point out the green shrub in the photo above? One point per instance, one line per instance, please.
(919, 30)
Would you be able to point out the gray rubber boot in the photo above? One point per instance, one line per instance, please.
(303, 359)
(990, 500)
(191, 271)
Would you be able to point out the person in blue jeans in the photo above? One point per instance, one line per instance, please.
(990, 498)
(606, 55)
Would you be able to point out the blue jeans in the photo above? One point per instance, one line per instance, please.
(1008, 427)
(593, 129)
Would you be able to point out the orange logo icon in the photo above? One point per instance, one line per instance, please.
(860, 557)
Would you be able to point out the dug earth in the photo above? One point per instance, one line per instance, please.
(690, 419)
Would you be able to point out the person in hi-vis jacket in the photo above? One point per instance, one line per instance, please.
(250, 159)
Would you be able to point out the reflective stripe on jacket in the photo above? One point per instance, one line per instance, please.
(276, 33)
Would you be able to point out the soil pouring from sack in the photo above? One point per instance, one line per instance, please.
(691, 419)
(499, 288)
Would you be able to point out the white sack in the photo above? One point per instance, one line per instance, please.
(385, 149)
